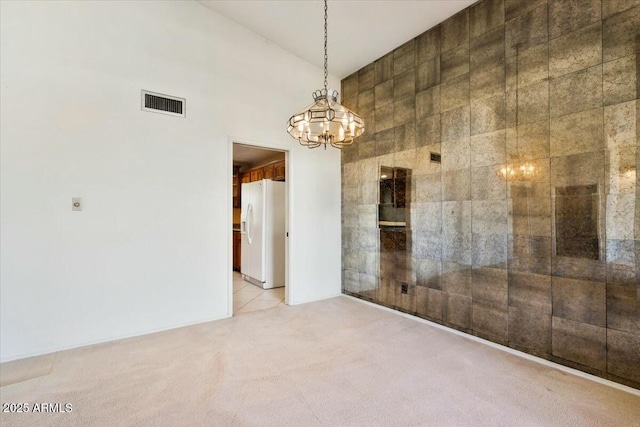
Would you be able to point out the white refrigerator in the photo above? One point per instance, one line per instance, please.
(263, 233)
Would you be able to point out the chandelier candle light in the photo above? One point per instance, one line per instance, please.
(325, 121)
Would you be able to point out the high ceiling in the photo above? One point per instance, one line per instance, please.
(360, 31)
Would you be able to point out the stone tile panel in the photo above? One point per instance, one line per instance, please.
(383, 94)
(623, 356)
(485, 16)
(530, 141)
(489, 217)
(428, 131)
(428, 102)
(579, 342)
(611, 7)
(487, 185)
(490, 321)
(384, 118)
(488, 114)
(487, 81)
(428, 45)
(405, 134)
(404, 110)
(577, 133)
(404, 84)
(515, 8)
(429, 303)
(454, 63)
(456, 185)
(620, 79)
(455, 124)
(455, 30)
(457, 310)
(384, 68)
(404, 57)
(367, 77)
(385, 142)
(576, 51)
(623, 308)
(531, 292)
(566, 16)
(490, 285)
(529, 254)
(456, 278)
(527, 30)
(428, 73)
(532, 66)
(620, 34)
(487, 49)
(489, 251)
(456, 155)
(533, 103)
(579, 300)
(454, 93)
(488, 149)
(530, 330)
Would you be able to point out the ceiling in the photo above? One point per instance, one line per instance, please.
(248, 156)
(360, 31)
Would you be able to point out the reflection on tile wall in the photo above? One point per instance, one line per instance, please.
(547, 263)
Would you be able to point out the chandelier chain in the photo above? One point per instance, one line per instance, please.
(325, 46)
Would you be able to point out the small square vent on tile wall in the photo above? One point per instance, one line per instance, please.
(164, 104)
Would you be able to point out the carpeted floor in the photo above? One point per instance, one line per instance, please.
(336, 362)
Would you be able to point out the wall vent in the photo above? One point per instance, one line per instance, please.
(165, 104)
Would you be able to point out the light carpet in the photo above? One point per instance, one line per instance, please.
(336, 362)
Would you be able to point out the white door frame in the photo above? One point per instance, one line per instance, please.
(287, 158)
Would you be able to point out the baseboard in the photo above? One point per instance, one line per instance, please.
(316, 299)
(506, 349)
(110, 339)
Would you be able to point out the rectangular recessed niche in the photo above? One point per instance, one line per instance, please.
(164, 104)
(576, 221)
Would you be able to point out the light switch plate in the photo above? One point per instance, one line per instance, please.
(76, 204)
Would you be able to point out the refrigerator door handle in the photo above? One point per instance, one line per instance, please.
(247, 223)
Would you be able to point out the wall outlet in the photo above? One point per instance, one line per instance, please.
(76, 204)
(404, 288)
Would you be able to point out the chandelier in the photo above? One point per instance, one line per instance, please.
(325, 121)
(517, 169)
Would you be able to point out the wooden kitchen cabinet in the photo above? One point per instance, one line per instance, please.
(236, 186)
(274, 171)
(268, 172)
(237, 250)
(279, 173)
(257, 174)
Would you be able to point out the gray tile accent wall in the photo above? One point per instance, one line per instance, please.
(551, 82)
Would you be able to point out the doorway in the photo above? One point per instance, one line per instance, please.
(259, 227)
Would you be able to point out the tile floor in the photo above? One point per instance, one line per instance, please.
(249, 297)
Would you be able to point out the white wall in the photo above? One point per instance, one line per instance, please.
(150, 251)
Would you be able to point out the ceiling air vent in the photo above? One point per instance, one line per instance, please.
(165, 104)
